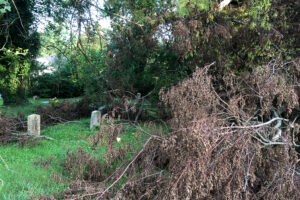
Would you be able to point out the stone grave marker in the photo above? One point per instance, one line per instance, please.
(95, 119)
(34, 124)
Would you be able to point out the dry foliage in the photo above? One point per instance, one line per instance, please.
(80, 165)
(5, 128)
(65, 111)
(9, 126)
(224, 149)
(121, 104)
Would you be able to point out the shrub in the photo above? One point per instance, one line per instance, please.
(58, 84)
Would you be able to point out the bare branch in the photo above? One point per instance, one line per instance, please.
(18, 15)
(256, 126)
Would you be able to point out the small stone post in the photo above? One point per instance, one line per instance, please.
(95, 119)
(34, 124)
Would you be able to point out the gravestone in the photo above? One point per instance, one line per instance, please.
(35, 98)
(95, 119)
(34, 124)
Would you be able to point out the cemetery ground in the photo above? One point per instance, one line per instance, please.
(37, 168)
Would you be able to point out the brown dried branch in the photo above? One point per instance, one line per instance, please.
(119, 178)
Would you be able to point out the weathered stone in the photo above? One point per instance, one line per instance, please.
(36, 97)
(34, 124)
(95, 119)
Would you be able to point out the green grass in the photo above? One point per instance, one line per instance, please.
(24, 179)
(12, 110)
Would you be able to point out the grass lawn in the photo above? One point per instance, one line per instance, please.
(30, 107)
(22, 176)
(23, 179)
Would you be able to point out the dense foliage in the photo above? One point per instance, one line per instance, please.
(160, 45)
(141, 57)
(79, 45)
(19, 43)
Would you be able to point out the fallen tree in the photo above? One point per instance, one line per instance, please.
(220, 150)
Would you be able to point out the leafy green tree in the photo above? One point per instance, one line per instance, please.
(19, 44)
(75, 36)
(13, 71)
(140, 57)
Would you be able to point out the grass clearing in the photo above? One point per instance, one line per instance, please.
(24, 179)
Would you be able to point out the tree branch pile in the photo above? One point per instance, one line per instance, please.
(9, 126)
(237, 148)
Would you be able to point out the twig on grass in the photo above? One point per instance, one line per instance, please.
(5, 164)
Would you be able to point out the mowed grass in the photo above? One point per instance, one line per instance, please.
(29, 108)
(23, 179)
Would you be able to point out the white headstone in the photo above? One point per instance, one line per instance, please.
(36, 97)
(95, 119)
(34, 124)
